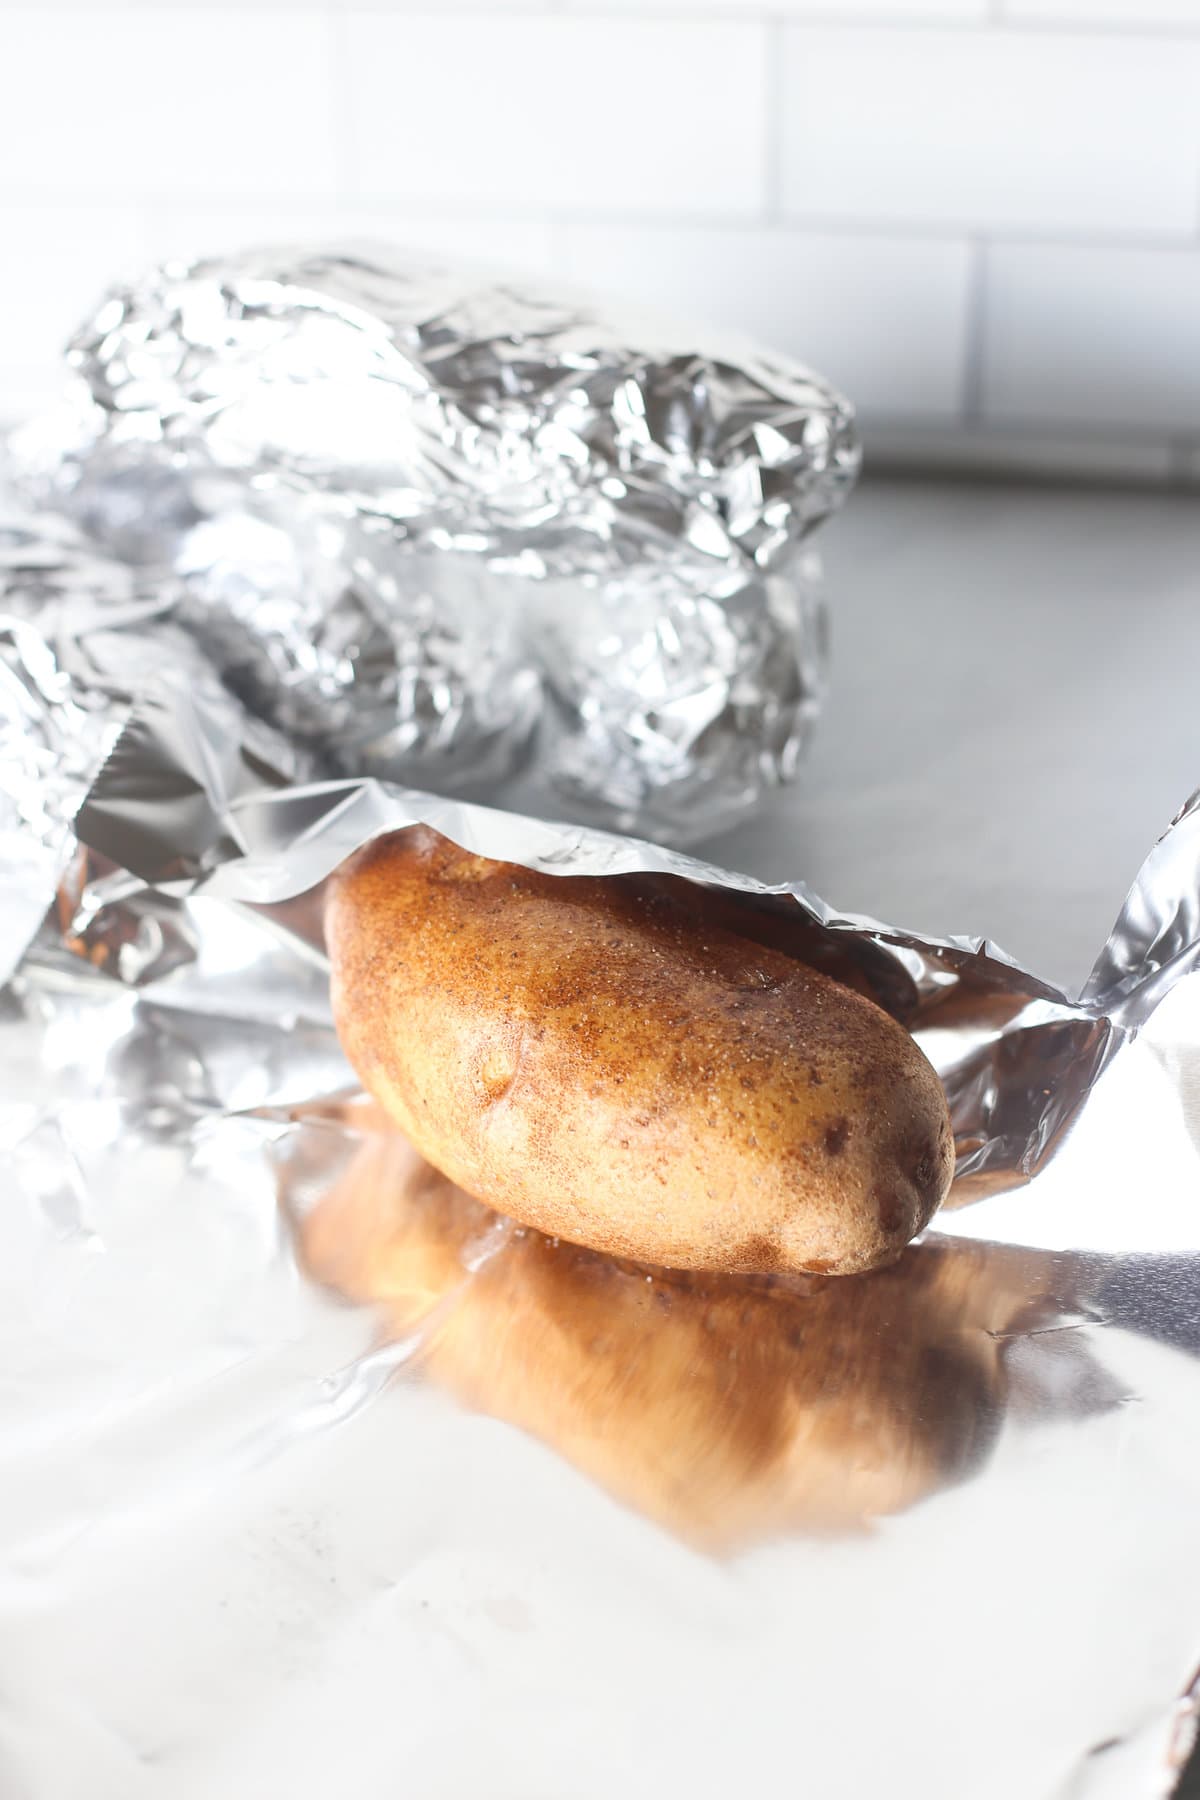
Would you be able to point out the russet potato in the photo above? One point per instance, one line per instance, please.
(596, 1063)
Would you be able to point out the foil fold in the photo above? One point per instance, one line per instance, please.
(82, 636)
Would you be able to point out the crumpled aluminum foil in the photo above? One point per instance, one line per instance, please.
(309, 1458)
(405, 503)
(81, 636)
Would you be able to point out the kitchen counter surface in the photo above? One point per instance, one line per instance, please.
(1012, 717)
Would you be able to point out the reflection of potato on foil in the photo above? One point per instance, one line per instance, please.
(726, 1408)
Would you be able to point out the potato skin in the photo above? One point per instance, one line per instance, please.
(575, 1052)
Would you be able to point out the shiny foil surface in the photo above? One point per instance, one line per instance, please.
(320, 1477)
(420, 515)
(81, 635)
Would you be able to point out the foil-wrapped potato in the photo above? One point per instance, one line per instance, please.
(412, 509)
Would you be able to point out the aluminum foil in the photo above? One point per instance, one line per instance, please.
(411, 507)
(319, 1475)
(81, 636)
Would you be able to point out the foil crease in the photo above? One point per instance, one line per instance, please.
(309, 1456)
(411, 508)
(82, 636)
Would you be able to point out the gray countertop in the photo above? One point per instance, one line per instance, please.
(1012, 718)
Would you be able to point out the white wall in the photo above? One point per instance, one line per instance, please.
(981, 217)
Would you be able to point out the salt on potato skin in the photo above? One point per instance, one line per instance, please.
(584, 1056)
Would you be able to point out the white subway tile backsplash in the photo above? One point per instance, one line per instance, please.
(830, 176)
(992, 129)
(884, 318)
(632, 114)
(58, 261)
(495, 242)
(1103, 336)
(178, 100)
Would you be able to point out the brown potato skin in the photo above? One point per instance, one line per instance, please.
(578, 1053)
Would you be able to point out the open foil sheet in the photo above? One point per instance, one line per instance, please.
(320, 1477)
(420, 518)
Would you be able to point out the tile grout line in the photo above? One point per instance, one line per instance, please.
(1152, 31)
(338, 77)
(829, 19)
(852, 227)
(773, 94)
